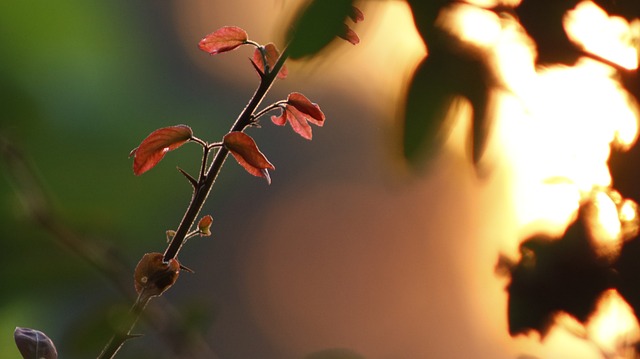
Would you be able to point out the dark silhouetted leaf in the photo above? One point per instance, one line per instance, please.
(557, 276)
(246, 152)
(299, 111)
(34, 344)
(318, 24)
(153, 276)
(441, 78)
(224, 39)
(156, 145)
(272, 54)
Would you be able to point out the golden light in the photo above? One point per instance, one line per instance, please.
(609, 37)
(614, 328)
(365, 260)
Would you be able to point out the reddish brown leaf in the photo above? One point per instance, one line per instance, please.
(156, 145)
(224, 39)
(349, 35)
(302, 104)
(272, 54)
(246, 152)
(280, 120)
(356, 14)
(299, 111)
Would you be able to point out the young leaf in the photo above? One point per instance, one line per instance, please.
(299, 111)
(224, 39)
(349, 35)
(272, 54)
(34, 344)
(204, 226)
(156, 145)
(356, 14)
(246, 152)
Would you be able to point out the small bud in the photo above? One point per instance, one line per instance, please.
(170, 234)
(204, 226)
(34, 344)
(152, 276)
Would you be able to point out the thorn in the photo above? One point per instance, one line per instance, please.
(187, 269)
(192, 180)
(257, 68)
(132, 336)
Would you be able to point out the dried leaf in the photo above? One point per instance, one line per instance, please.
(224, 39)
(246, 152)
(272, 54)
(153, 276)
(34, 344)
(156, 145)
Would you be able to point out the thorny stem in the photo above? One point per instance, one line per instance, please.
(200, 195)
(202, 192)
(108, 261)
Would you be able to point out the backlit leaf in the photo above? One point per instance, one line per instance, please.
(224, 39)
(156, 145)
(299, 111)
(349, 35)
(356, 14)
(272, 54)
(34, 344)
(310, 109)
(246, 152)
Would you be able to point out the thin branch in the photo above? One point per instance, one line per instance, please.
(201, 192)
(105, 259)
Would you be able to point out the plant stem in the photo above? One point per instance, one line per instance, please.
(201, 193)
(199, 197)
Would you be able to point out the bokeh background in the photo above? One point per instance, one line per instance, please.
(344, 255)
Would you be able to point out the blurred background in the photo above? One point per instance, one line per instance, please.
(344, 255)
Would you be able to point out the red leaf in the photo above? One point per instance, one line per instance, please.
(302, 104)
(225, 39)
(156, 145)
(272, 54)
(356, 14)
(280, 120)
(299, 111)
(350, 35)
(246, 152)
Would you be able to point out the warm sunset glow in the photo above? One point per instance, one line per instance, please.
(612, 38)
(395, 271)
(614, 327)
(556, 128)
(471, 24)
